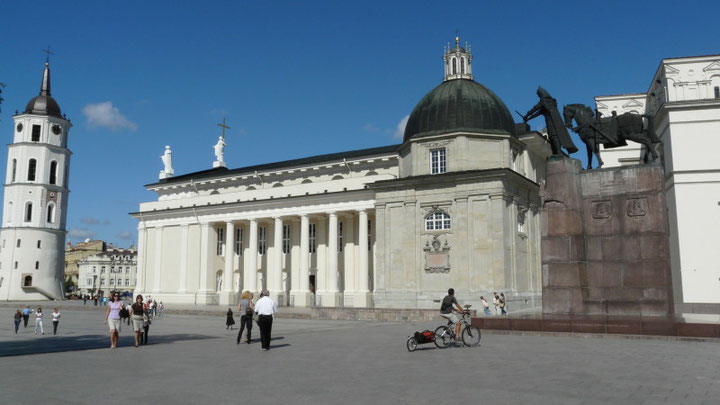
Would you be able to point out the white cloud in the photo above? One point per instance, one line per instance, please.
(126, 235)
(89, 220)
(107, 116)
(81, 233)
(400, 129)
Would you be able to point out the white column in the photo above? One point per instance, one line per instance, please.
(349, 254)
(251, 269)
(140, 272)
(275, 272)
(331, 296)
(182, 289)
(304, 253)
(226, 297)
(332, 262)
(158, 259)
(362, 297)
(204, 259)
(302, 296)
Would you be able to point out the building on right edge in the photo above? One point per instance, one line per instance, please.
(684, 99)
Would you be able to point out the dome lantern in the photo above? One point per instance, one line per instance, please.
(458, 62)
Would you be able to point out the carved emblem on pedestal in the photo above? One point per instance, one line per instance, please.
(636, 207)
(602, 209)
(437, 256)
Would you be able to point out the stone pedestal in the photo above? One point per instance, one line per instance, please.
(207, 298)
(329, 299)
(362, 300)
(301, 299)
(605, 241)
(228, 298)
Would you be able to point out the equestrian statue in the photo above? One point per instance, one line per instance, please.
(557, 133)
(611, 132)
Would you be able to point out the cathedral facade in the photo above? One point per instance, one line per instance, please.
(455, 205)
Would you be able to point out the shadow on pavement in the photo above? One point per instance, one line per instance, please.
(84, 342)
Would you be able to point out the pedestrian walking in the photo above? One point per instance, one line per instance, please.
(26, 314)
(112, 319)
(486, 306)
(246, 310)
(137, 313)
(56, 320)
(496, 303)
(146, 328)
(161, 308)
(38, 321)
(17, 318)
(95, 299)
(229, 320)
(503, 304)
(265, 308)
(84, 299)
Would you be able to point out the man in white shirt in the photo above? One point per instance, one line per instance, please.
(265, 307)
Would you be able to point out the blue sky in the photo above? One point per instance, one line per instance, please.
(296, 79)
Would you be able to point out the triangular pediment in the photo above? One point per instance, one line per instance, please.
(632, 103)
(669, 70)
(713, 66)
(600, 106)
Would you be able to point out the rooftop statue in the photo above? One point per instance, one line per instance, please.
(219, 152)
(559, 137)
(166, 158)
(611, 132)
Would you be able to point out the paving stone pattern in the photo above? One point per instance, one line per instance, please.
(192, 359)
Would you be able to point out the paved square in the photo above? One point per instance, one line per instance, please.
(193, 359)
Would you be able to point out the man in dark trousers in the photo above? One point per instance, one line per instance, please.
(265, 307)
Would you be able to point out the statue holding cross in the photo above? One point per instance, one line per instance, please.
(220, 147)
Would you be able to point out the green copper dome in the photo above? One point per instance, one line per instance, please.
(459, 105)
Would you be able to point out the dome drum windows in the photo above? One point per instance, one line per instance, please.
(36, 133)
(437, 221)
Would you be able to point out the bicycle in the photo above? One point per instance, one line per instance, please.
(470, 334)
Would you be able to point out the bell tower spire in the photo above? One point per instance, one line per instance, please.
(45, 86)
(458, 62)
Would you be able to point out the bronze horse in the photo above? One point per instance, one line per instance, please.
(611, 132)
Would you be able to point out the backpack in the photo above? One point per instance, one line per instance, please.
(425, 336)
(249, 311)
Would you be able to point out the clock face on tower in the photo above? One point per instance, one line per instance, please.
(19, 127)
(56, 129)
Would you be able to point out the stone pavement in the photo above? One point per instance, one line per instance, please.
(193, 359)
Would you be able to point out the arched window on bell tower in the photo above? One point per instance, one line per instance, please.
(53, 172)
(14, 170)
(51, 213)
(454, 64)
(28, 212)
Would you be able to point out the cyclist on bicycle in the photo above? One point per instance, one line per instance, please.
(446, 310)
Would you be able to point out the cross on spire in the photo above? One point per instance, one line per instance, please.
(224, 127)
(48, 52)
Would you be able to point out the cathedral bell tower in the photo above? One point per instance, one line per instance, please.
(458, 62)
(32, 237)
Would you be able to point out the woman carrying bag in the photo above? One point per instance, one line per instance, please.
(246, 310)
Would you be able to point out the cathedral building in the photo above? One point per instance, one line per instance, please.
(455, 205)
(684, 101)
(32, 237)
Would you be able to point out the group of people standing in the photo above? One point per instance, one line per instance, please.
(138, 313)
(265, 308)
(499, 304)
(24, 314)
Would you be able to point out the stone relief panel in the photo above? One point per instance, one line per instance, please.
(636, 207)
(602, 209)
(437, 254)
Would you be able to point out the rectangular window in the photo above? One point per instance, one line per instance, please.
(286, 239)
(717, 95)
(15, 265)
(39, 244)
(89, 281)
(102, 281)
(220, 241)
(112, 281)
(262, 241)
(312, 238)
(37, 265)
(127, 281)
(340, 237)
(18, 243)
(102, 270)
(112, 269)
(238, 241)
(36, 133)
(437, 161)
(93, 269)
